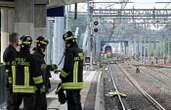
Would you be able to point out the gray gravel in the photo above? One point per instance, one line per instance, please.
(134, 99)
(111, 103)
(152, 85)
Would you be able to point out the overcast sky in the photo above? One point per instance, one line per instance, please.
(138, 4)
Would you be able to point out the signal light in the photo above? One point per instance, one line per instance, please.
(96, 23)
(95, 26)
(96, 29)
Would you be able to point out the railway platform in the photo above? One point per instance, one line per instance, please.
(117, 86)
(88, 94)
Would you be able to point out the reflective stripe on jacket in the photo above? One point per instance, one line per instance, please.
(9, 55)
(72, 72)
(42, 67)
(25, 78)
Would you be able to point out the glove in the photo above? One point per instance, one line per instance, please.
(40, 90)
(53, 67)
(57, 71)
(61, 95)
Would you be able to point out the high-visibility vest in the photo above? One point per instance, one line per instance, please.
(24, 79)
(73, 79)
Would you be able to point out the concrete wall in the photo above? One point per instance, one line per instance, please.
(27, 17)
(7, 27)
(24, 17)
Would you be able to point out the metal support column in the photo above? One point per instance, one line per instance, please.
(67, 11)
(90, 34)
(50, 28)
(168, 48)
(58, 43)
(144, 51)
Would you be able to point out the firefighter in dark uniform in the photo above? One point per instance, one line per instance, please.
(44, 69)
(72, 72)
(26, 80)
(9, 55)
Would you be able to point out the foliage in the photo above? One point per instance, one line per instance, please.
(80, 22)
(159, 51)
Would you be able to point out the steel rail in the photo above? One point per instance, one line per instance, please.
(143, 92)
(116, 89)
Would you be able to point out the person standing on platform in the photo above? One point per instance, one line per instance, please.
(9, 55)
(26, 80)
(44, 70)
(72, 72)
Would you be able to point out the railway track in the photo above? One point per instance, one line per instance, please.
(143, 92)
(163, 73)
(123, 106)
(134, 83)
(164, 80)
(156, 69)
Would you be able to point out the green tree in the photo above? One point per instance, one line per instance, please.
(80, 22)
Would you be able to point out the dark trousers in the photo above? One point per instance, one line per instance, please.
(17, 100)
(40, 101)
(73, 99)
(10, 100)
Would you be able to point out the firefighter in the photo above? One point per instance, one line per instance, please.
(44, 69)
(9, 55)
(72, 72)
(25, 78)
